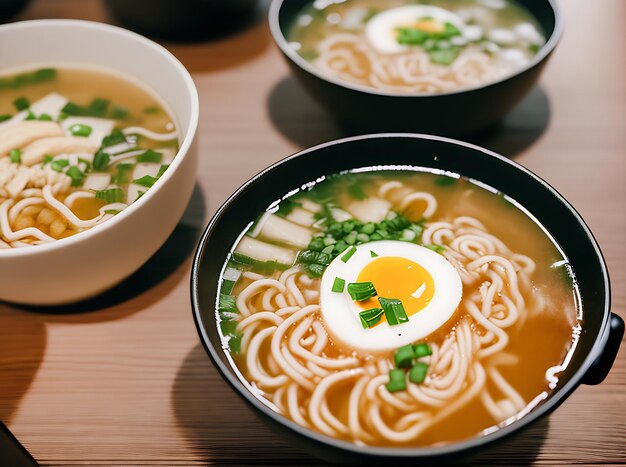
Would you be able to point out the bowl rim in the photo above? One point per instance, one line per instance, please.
(186, 140)
(450, 449)
(282, 42)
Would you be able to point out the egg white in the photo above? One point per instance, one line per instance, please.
(381, 29)
(341, 314)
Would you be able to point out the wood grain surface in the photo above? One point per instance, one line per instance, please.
(123, 380)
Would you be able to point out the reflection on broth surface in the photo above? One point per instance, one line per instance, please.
(398, 308)
(77, 146)
(429, 46)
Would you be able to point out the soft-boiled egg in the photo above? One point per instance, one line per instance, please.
(382, 29)
(428, 286)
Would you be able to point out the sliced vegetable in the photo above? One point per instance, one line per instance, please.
(79, 129)
(360, 291)
(77, 175)
(123, 173)
(394, 311)
(397, 380)
(422, 350)
(370, 317)
(418, 372)
(150, 156)
(111, 195)
(338, 285)
(403, 357)
(15, 155)
(146, 181)
(59, 164)
(348, 254)
(21, 103)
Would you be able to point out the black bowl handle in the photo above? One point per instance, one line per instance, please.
(602, 365)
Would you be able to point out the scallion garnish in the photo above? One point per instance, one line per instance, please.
(101, 161)
(122, 175)
(150, 156)
(422, 350)
(348, 254)
(15, 155)
(394, 311)
(397, 380)
(112, 211)
(111, 195)
(417, 374)
(373, 254)
(5, 117)
(403, 357)
(44, 117)
(314, 257)
(79, 129)
(360, 291)
(338, 285)
(77, 175)
(162, 170)
(146, 180)
(47, 159)
(21, 103)
(436, 248)
(59, 164)
(370, 317)
(30, 115)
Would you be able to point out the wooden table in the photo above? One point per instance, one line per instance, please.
(124, 380)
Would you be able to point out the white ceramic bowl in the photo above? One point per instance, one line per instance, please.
(90, 262)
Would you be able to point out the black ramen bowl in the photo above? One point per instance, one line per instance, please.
(598, 343)
(182, 21)
(457, 113)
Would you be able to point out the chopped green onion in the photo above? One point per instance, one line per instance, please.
(360, 291)
(316, 244)
(162, 170)
(404, 356)
(116, 137)
(417, 374)
(348, 254)
(150, 156)
(350, 239)
(100, 161)
(227, 286)
(111, 195)
(362, 238)
(338, 285)
(59, 164)
(119, 113)
(15, 155)
(422, 350)
(373, 254)
(5, 117)
(30, 115)
(444, 180)
(394, 311)
(314, 257)
(315, 270)
(286, 206)
(356, 191)
(436, 248)
(227, 303)
(77, 175)
(47, 159)
(444, 56)
(411, 36)
(146, 180)
(370, 317)
(80, 130)
(45, 117)
(21, 103)
(153, 109)
(112, 211)
(122, 175)
(368, 228)
(397, 381)
(329, 250)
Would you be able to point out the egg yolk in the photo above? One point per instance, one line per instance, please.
(396, 277)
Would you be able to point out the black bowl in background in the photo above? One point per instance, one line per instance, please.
(10, 8)
(182, 20)
(598, 343)
(457, 113)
